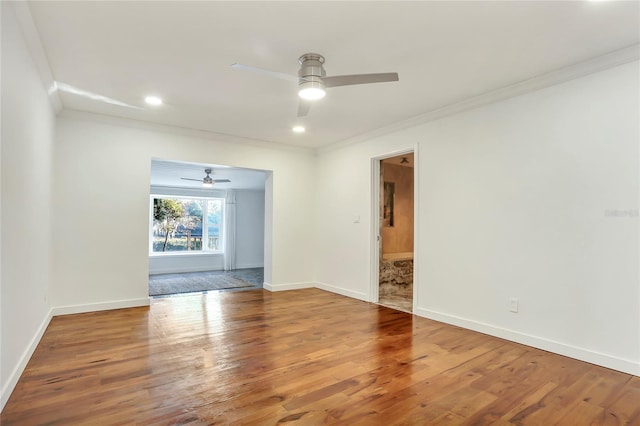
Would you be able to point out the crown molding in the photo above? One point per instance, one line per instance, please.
(34, 44)
(561, 75)
(182, 131)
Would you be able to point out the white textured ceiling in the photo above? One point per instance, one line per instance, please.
(444, 52)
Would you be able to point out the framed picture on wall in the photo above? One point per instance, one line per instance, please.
(389, 196)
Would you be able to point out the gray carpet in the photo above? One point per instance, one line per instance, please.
(204, 281)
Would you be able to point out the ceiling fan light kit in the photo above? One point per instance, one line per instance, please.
(311, 90)
(207, 182)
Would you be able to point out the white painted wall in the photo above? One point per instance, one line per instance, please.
(27, 138)
(250, 229)
(179, 263)
(101, 204)
(515, 200)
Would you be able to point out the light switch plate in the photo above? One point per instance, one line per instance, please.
(513, 304)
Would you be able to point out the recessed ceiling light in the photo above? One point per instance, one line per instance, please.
(153, 100)
(298, 129)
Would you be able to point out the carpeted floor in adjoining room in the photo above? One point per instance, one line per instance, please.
(191, 282)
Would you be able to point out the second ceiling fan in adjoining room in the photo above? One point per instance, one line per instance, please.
(207, 181)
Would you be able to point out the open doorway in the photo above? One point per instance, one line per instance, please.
(396, 232)
(206, 228)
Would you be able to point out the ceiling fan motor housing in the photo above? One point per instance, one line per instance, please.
(207, 180)
(311, 69)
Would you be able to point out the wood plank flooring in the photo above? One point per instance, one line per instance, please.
(301, 357)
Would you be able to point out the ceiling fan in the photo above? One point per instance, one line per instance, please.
(208, 181)
(312, 79)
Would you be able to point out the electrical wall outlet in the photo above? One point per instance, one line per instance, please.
(513, 304)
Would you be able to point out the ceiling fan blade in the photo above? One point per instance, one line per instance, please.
(197, 180)
(64, 87)
(266, 72)
(221, 180)
(303, 107)
(349, 80)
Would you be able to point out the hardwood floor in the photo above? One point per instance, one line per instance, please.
(301, 357)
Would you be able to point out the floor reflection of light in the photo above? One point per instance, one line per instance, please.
(212, 309)
(395, 354)
(213, 324)
(188, 338)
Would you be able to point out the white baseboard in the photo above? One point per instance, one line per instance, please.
(582, 354)
(289, 286)
(103, 306)
(342, 291)
(61, 310)
(7, 389)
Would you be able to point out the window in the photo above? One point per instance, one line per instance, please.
(182, 224)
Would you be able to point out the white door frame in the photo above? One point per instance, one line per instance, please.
(374, 281)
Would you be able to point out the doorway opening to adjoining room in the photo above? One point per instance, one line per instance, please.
(394, 228)
(207, 227)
